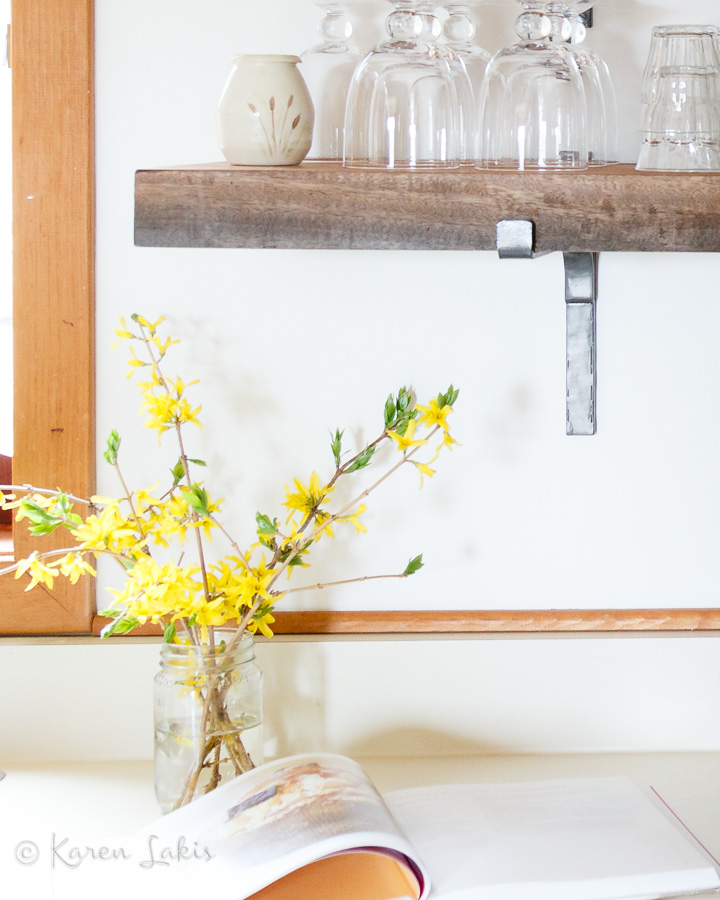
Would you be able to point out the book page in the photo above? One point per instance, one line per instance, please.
(257, 829)
(578, 839)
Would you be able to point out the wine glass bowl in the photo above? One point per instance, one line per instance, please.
(548, 102)
(327, 69)
(532, 109)
(602, 127)
(470, 63)
(402, 108)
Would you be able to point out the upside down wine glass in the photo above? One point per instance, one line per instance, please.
(402, 109)
(599, 91)
(431, 34)
(471, 62)
(532, 109)
(327, 69)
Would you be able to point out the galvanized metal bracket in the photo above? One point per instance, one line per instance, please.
(516, 240)
(580, 342)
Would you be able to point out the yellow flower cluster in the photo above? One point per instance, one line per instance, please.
(170, 407)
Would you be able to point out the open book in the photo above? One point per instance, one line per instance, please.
(315, 828)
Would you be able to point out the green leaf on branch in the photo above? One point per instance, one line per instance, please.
(336, 446)
(110, 613)
(448, 398)
(389, 411)
(41, 520)
(404, 401)
(113, 446)
(398, 412)
(265, 525)
(296, 561)
(121, 625)
(178, 473)
(197, 499)
(361, 460)
(65, 503)
(178, 470)
(70, 519)
(267, 528)
(414, 565)
(169, 633)
(294, 554)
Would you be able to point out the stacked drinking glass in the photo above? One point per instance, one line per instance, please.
(680, 118)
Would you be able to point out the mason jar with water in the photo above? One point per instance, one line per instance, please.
(208, 716)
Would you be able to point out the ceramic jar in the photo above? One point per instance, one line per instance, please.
(265, 115)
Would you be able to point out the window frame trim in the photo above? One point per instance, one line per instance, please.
(52, 68)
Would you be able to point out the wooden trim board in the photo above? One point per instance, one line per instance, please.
(53, 285)
(478, 622)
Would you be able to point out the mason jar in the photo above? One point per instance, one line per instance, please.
(208, 716)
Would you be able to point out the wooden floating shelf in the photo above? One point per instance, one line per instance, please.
(325, 206)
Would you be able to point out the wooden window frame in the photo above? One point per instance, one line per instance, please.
(52, 68)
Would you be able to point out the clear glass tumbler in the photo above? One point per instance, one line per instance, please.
(686, 46)
(683, 122)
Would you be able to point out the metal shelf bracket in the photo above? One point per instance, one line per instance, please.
(515, 240)
(580, 343)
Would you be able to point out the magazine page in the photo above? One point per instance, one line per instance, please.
(576, 839)
(258, 828)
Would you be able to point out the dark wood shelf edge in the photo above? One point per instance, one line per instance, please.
(326, 206)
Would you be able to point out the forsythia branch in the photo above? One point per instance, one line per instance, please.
(190, 597)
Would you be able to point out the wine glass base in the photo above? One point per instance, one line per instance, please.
(571, 162)
(406, 166)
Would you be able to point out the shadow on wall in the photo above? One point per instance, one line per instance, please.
(294, 712)
(414, 742)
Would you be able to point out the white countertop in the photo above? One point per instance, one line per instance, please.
(88, 803)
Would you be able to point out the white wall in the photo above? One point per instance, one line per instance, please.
(289, 344)
(383, 698)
